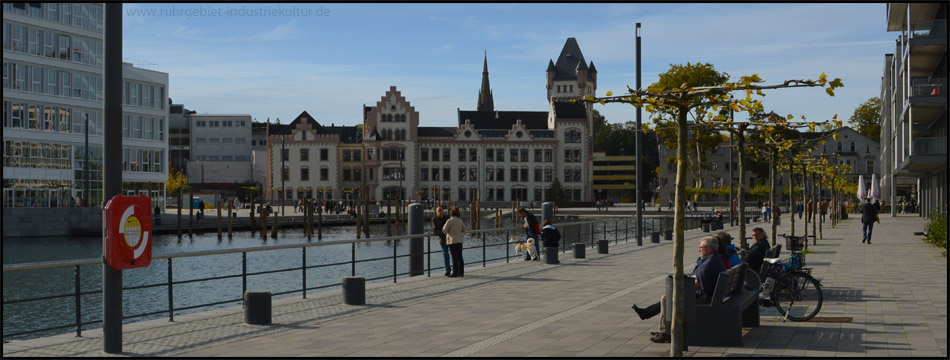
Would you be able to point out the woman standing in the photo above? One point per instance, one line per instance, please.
(453, 229)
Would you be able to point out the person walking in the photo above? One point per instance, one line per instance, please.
(765, 212)
(438, 221)
(869, 215)
(453, 229)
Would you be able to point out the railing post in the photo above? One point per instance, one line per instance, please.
(303, 268)
(507, 248)
(353, 259)
(626, 229)
(78, 304)
(484, 261)
(591, 226)
(616, 232)
(244, 273)
(171, 293)
(394, 261)
(415, 247)
(429, 254)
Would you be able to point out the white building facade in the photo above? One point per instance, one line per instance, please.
(53, 83)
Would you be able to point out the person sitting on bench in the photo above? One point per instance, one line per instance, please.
(707, 274)
(757, 251)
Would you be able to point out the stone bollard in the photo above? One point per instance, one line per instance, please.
(580, 250)
(706, 226)
(550, 255)
(655, 237)
(416, 245)
(602, 246)
(257, 307)
(668, 234)
(354, 290)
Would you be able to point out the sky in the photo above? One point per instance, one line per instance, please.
(277, 60)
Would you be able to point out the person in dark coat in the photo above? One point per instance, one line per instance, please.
(869, 215)
(757, 251)
(438, 221)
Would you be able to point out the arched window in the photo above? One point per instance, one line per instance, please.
(461, 196)
(402, 117)
(389, 117)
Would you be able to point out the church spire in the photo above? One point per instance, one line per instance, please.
(485, 102)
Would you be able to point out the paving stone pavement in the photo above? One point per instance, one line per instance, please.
(894, 289)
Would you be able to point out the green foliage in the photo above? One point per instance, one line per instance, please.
(722, 190)
(694, 192)
(796, 191)
(936, 229)
(760, 191)
(600, 122)
(866, 119)
(555, 193)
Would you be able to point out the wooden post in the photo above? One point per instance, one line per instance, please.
(320, 223)
(389, 218)
(179, 212)
(359, 222)
(219, 219)
(273, 234)
(264, 216)
(230, 219)
(366, 207)
(253, 222)
(191, 216)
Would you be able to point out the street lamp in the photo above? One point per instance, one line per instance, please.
(86, 164)
(283, 176)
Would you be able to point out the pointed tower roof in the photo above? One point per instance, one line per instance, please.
(592, 68)
(485, 101)
(568, 62)
(551, 66)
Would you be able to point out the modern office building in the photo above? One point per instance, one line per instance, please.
(53, 86)
(615, 177)
(914, 107)
(220, 152)
(179, 137)
(503, 155)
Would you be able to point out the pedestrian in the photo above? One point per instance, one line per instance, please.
(454, 228)
(765, 212)
(823, 209)
(438, 221)
(798, 209)
(670, 205)
(869, 215)
(532, 230)
(809, 210)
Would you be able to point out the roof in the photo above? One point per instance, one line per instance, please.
(567, 110)
(433, 131)
(504, 120)
(570, 60)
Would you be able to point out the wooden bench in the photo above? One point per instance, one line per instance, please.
(731, 308)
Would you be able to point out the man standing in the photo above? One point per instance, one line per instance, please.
(438, 221)
(532, 230)
(707, 274)
(869, 216)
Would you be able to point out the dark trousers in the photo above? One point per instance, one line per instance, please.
(458, 265)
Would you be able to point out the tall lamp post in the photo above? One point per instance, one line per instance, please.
(283, 176)
(639, 145)
(86, 164)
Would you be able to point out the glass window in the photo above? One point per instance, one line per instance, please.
(514, 174)
(537, 155)
(324, 155)
(446, 155)
(472, 154)
(446, 174)
(462, 173)
(490, 174)
(489, 155)
(500, 155)
(435, 174)
(461, 155)
(524, 155)
(472, 174)
(424, 155)
(424, 174)
(324, 174)
(500, 175)
(346, 155)
(304, 154)
(513, 155)
(435, 154)
(356, 155)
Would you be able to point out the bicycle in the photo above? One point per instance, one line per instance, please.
(788, 285)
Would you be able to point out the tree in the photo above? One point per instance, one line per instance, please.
(678, 93)
(176, 182)
(600, 122)
(866, 119)
(555, 193)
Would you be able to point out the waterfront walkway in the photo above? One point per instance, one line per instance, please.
(895, 291)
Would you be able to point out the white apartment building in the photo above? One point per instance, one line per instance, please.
(508, 155)
(220, 149)
(53, 84)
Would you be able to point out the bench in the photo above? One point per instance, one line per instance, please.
(731, 308)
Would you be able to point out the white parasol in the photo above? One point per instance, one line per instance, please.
(861, 192)
(875, 187)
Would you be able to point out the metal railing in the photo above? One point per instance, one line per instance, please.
(571, 232)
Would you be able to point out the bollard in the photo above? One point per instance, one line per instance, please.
(705, 226)
(257, 307)
(547, 211)
(579, 250)
(602, 246)
(416, 244)
(655, 237)
(550, 255)
(354, 290)
(668, 234)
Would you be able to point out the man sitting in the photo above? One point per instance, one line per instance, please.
(706, 273)
(757, 252)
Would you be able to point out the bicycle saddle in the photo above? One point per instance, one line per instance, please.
(772, 261)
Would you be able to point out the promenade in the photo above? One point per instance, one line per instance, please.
(895, 291)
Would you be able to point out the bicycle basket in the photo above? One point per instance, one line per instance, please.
(794, 243)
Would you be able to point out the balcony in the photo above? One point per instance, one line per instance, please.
(929, 87)
(936, 29)
(927, 100)
(927, 154)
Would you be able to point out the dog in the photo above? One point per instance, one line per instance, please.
(522, 247)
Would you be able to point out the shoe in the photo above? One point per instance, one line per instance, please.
(448, 274)
(864, 240)
(639, 312)
(869, 241)
(660, 338)
(537, 259)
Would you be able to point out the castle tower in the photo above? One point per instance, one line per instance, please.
(571, 76)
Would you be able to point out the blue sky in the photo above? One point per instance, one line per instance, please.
(279, 64)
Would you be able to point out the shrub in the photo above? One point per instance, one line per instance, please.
(936, 228)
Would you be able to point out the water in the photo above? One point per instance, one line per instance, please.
(59, 281)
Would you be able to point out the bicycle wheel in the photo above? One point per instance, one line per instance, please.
(797, 296)
(752, 280)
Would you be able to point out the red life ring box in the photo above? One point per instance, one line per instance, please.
(129, 235)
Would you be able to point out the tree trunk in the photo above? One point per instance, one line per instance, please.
(773, 162)
(676, 344)
(791, 190)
